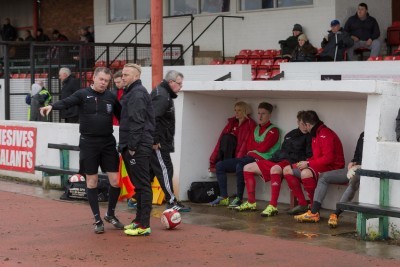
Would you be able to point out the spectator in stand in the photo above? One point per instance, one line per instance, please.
(364, 30)
(69, 86)
(83, 32)
(232, 142)
(118, 91)
(335, 43)
(86, 54)
(296, 147)
(27, 35)
(340, 176)
(90, 29)
(8, 32)
(40, 36)
(39, 97)
(58, 37)
(327, 155)
(262, 144)
(288, 45)
(304, 52)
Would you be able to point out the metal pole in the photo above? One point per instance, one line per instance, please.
(156, 27)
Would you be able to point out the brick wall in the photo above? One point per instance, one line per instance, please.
(66, 18)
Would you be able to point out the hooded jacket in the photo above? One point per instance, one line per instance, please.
(336, 45)
(242, 135)
(305, 53)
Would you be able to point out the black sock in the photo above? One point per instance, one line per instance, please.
(92, 196)
(113, 195)
(316, 206)
(338, 212)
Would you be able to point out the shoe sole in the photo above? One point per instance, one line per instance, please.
(269, 215)
(246, 210)
(332, 225)
(304, 221)
(145, 234)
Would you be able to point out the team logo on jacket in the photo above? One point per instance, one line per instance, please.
(109, 108)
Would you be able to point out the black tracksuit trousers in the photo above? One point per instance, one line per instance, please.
(162, 168)
(138, 170)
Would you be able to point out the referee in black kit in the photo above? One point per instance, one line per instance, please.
(97, 143)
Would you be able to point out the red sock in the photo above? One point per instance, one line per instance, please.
(276, 181)
(294, 185)
(309, 184)
(250, 185)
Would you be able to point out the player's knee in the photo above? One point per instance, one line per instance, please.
(276, 170)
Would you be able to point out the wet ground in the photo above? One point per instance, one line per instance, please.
(39, 229)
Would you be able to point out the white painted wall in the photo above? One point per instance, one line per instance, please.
(259, 29)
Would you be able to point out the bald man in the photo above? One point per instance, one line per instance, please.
(136, 137)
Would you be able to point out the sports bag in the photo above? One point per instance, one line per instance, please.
(203, 192)
(76, 189)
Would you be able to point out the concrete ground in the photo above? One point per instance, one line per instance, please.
(38, 229)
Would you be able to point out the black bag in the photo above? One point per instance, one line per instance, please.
(77, 190)
(203, 192)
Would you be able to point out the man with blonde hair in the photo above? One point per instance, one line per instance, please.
(136, 137)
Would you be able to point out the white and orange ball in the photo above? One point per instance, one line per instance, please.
(170, 219)
(76, 178)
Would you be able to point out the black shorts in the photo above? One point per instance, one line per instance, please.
(98, 152)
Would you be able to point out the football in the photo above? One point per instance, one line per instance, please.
(76, 178)
(170, 219)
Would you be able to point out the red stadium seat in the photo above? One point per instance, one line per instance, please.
(269, 53)
(256, 54)
(216, 62)
(274, 73)
(116, 64)
(263, 75)
(374, 58)
(253, 74)
(44, 75)
(254, 62)
(89, 75)
(15, 76)
(241, 61)
(267, 62)
(278, 62)
(100, 63)
(229, 62)
(387, 58)
(244, 53)
(22, 75)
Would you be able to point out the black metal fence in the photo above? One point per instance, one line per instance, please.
(23, 64)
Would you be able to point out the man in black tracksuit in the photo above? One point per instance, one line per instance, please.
(161, 165)
(69, 86)
(136, 133)
(97, 144)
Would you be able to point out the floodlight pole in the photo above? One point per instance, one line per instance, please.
(156, 28)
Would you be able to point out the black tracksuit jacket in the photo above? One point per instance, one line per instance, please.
(162, 97)
(95, 110)
(137, 118)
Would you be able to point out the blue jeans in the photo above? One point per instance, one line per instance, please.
(232, 165)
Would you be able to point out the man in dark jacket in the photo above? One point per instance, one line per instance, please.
(136, 140)
(97, 143)
(288, 45)
(69, 86)
(163, 102)
(8, 33)
(335, 43)
(364, 30)
(341, 176)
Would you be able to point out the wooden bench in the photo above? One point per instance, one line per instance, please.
(63, 170)
(382, 210)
